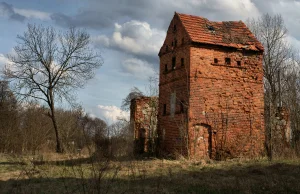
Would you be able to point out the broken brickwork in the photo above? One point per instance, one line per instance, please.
(143, 118)
(211, 101)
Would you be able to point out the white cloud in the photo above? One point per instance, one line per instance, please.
(34, 14)
(134, 37)
(111, 113)
(138, 68)
(242, 8)
(101, 40)
(3, 61)
(290, 14)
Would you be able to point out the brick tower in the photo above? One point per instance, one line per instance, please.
(211, 98)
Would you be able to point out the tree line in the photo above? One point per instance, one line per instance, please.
(27, 127)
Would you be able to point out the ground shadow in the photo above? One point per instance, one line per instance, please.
(273, 178)
(92, 159)
(12, 163)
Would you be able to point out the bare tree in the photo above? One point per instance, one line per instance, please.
(291, 99)
(271, 32)
(48, 66)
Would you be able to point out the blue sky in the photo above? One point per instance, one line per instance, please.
(128, 33)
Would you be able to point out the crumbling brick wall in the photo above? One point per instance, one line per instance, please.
(143, 118)
(281, 132)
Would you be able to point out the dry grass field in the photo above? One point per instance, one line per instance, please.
(68, 174)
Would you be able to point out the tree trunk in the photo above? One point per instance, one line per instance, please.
(59, 147)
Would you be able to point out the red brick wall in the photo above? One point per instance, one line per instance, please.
(228, 98)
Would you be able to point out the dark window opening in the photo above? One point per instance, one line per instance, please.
(165, 109)
(142, 133)
(216, 60)
(182, 109)
(172, 44)
(182, 61)
(174, 27)
(175, 43)
(239, 63)
(227, 61)
(166, 67)
(141, 140)
(173, 63)
(167, 48)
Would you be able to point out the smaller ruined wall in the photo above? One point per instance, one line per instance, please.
(143, 119)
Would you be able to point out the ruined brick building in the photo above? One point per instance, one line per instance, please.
(211, 101)
(143, 120)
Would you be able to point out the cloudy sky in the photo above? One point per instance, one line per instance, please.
(128, 33)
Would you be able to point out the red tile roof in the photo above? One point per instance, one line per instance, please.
(231, 34)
